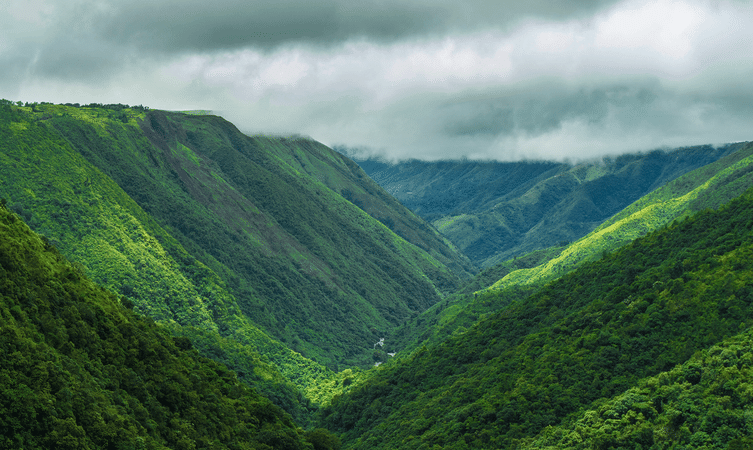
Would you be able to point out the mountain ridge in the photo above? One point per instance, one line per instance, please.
(177, 258)
(494, 211)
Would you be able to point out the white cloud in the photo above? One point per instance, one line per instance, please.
(663, 27)
(581, 80)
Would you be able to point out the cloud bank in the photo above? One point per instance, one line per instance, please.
(426, 79)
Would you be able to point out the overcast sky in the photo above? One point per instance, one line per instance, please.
(427, 79)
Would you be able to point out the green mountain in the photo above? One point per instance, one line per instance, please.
(494, 211)
(591, 335)
(91, 220)
(706, 187)
(227, 239)
(237, 272)
(80, 370)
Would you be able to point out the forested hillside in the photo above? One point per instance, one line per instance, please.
(80, 370)
(280, 260)
(701, 404)
(197, 223)
(587, 337)
(707, 187)
(494, 211)
(90, 219)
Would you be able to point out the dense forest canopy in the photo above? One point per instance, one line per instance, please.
(168, 282)
(79, 369)
(582, 339)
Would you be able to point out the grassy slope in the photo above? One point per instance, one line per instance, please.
(345, 177)
(591, 334)
(92, 221)
(79, 370)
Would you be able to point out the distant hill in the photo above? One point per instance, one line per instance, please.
(493, 211)
(707, 187)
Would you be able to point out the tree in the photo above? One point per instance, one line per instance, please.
(323, 439)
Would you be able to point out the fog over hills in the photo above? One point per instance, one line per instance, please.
(502, 80)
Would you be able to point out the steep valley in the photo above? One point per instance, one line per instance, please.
(126, 193)
(533, 374)
(169, 282)
(709, 186)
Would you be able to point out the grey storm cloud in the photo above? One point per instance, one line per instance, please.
(80, 39)
(201, 25)
(545, 109)
(409, 78)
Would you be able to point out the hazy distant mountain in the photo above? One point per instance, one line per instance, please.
(493, 211)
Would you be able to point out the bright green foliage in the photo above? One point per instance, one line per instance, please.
(704, 403)
(253, 368)
(494, 211)
(299, 392)
(203, 225)
(708, 186)
(491, 275)
(591, 334)
(93, 221)
(79, 370)
(90, 219)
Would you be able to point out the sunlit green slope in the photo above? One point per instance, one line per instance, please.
(80, 370)
(708, 186)
(91, 220)
(591, 334)
(494, 211)
(222, 233)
